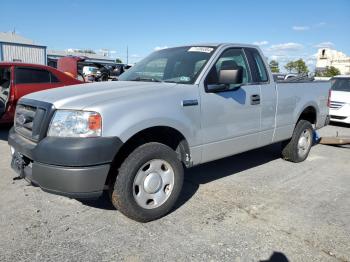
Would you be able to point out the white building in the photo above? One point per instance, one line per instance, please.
(330, 57)
(16, 48)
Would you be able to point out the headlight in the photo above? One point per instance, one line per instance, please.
(69, 123)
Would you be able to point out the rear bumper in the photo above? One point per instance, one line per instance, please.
(72, 167)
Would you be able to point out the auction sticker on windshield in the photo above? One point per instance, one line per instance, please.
(201, 49)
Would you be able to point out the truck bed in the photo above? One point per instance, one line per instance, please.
(293, 98)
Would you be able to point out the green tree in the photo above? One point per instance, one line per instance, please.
(86, 51)
(118, 60)
(274, 66)
(290, 66)
(298, 67)
(301, 67)
(330, 71)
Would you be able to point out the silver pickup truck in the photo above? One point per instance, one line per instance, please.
(177, 108)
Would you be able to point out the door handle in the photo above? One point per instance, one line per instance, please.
(190, 102)
(255, 99)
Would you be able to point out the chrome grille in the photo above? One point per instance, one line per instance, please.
(24, 120)
(336, 105)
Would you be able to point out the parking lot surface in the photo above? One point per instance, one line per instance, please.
(250, 207)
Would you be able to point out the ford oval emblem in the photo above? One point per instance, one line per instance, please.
(21, 119)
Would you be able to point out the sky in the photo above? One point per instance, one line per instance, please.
(285, 30)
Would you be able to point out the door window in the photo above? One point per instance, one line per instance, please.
(54, 78)
(230, 57)
(31, 76)
(258, 66)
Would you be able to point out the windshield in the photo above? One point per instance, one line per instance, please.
(341, 84)
(176, 65)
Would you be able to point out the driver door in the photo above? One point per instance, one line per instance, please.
(230, 119)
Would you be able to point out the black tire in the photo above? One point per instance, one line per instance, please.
(122, 196)
(104, 78)
(290, 147)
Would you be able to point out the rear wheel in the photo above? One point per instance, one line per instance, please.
(148, 183)
(298, 147)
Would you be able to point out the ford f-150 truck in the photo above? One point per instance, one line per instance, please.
(177, 108)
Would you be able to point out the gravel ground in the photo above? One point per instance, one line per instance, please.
(249, 207)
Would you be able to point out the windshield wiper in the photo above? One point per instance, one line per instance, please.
(145, 79)
(170, 81)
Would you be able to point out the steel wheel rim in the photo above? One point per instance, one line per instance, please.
(304, 142)
(153, 183)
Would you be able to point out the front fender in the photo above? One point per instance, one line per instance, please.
(167, 113)
(132, 128)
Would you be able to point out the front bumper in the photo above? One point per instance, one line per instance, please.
(72, 167)
(73, 182)
(341, 114)
(340, 118)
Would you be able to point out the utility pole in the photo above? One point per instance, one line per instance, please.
(127, 54)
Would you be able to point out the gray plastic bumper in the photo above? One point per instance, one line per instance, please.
(77, 168)
(75, 182)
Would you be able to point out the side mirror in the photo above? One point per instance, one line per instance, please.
(214, 88)
(225, 78)
(231, 76)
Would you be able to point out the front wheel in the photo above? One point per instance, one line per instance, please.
(148, 183)
(298, 147)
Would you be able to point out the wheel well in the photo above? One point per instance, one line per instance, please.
(161, 134)
(309, 114)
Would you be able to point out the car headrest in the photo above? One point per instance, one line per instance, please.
(229, 65)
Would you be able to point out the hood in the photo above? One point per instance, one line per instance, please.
(340, 96)
(83, 95)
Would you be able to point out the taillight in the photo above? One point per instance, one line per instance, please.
(329, 98)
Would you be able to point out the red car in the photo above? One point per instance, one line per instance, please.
(19, 79)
